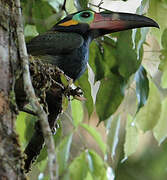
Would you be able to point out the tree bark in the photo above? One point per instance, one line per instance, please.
(11, 159)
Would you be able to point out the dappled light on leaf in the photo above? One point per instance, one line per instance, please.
(113, 88)
(142, 86)
(113, 135)
(149, 115)
(131, 137)
(160, 130)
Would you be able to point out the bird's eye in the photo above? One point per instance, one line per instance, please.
(85, 15)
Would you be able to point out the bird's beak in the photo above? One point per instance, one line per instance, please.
(113, 22)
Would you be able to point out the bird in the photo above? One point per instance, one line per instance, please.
(66, 44)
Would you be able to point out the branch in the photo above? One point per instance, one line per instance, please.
(32, 97)
(98, 6)
(64, 7)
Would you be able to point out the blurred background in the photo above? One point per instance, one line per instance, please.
(118, 146)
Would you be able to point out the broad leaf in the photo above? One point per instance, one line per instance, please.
(142, 86)
(96, 61)
(164, 39)
(148, 115)
(96, 165)
(63, 152)
(160, 130)
(131, 137)
(30, 31)
(108, 46)
(77, 112)
(128, 58)
(113, 135)
(88, 165)
(109, 96)
(157, 10)
(85, 86)
(25, 127)
(163, 57)
(42, 156)
(39, 17)
(97, 137)
(78, 169)
(102, 57)
(89, 176)
(42, 165)
(81, 4)
(21, 126)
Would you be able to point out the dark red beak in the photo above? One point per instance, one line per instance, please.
(113, 21)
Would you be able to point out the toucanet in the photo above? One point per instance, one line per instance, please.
(66, 45)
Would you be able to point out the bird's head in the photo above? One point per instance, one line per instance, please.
(97, 24)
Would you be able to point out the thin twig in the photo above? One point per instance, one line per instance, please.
(32, 98)
(100, 3)
(64, 7)
(99, 6)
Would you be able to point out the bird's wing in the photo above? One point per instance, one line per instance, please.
(54, 43)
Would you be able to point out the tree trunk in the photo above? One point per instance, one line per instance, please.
(11, 159)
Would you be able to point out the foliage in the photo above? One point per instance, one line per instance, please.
(116, 63)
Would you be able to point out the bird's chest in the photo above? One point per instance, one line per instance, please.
(74, 63)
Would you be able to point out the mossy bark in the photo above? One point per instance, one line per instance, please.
(11, 159)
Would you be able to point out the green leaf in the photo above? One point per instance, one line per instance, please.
(42, 165)
(77, 112)
(30, 31)
(63, 152)
(160, 130)
(164, 39)
(96, 165)
(163, 57)
(70, 7)
(113, 135)
(139, 35)
(65, 103)
(96, 61)
(89, 176)
(131, 137)
(40, 16)
(128, 58)
(164, 79)
(64, 80)
(85, 86)
(97, 137)
(78, 169)
(55, 4)
(21, 127)
(58, 135)
(102, 57)
(148, 115)
(108, 55)
(25, 127)
(109, 96)
(142, 86)
(157, 10)
(42, 156)
(81, 4)
(81, 169)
